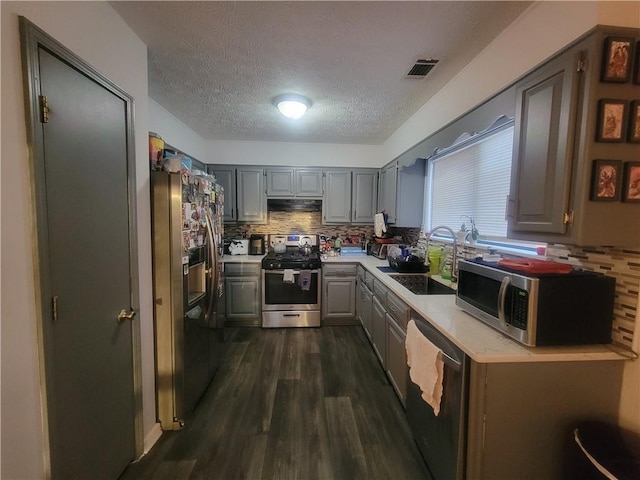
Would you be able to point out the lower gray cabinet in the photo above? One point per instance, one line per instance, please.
(378, 331)
(242, 294)
(396, 361)
(339, 294)
(365, 306)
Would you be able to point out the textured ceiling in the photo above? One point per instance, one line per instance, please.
(217, 65)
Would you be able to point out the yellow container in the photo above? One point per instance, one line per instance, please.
(435, 255)
(156, 151)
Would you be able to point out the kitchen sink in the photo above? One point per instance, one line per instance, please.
(422, 284)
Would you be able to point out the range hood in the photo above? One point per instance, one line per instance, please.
(294, 205)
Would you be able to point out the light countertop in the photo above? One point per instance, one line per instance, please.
(481, 342)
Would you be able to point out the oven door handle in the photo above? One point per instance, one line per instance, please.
(281, 272)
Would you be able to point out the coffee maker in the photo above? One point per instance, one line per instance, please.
(257, 245)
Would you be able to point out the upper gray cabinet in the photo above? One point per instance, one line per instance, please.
(226, 177)
(387, 190)
(244, 192)
(401, 191)
(251, 195)
(294, 182)
(552, 196)
(336, 203)
(308, 182)
(280, 182)
(544, 128)
(364, 194)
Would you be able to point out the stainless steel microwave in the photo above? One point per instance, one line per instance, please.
(575, 308)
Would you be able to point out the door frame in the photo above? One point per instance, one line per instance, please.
(31, 39)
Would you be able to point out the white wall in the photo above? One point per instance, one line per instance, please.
(93, 31)
(176, 133)
(304, 154)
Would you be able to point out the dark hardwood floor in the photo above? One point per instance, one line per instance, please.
(305, 403)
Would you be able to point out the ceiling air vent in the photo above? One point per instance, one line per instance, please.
(421, 68)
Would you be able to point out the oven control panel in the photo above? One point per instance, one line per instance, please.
(294, 240)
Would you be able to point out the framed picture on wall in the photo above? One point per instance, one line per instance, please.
(631, 186)
(634, 122)
(606, 180)
(636, 64)
(616, 59)
(611, 120)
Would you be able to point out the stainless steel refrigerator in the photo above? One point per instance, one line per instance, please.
(187, 233)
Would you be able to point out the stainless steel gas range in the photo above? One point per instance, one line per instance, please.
(291, 282)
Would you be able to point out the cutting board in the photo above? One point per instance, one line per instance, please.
(531, 265)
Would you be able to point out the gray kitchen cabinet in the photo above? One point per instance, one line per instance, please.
(308, 182)
(251, 195)
(365, 302)
(521, 416)
(364, 195)
(387, 190)
(401, 191)
(339, 294)
(396, 357)
(555, 147)
(379, 331)
(546, 104)
(280, 182)
(226, 177)
(336, 203)
(395, 331)
(294, 182)
(242, 294)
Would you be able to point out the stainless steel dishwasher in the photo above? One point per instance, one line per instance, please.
(441, 439)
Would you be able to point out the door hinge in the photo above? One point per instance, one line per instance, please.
(44, 109)
(567, 219)
(582, 64)
(54, 308)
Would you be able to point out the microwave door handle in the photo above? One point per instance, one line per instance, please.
(502, 294)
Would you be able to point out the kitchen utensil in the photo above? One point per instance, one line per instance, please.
(530, 265)
(305, 249)
(279, 247)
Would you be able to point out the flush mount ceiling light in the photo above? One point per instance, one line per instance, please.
(292, 106)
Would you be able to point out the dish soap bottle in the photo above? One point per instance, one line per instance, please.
(337, 244)
(446, 267)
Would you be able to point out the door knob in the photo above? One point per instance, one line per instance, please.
(124, 315)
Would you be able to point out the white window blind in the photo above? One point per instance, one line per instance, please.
(472, 180)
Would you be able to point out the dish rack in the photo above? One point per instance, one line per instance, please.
(399, 265)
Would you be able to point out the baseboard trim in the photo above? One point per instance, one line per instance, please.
(151, 438)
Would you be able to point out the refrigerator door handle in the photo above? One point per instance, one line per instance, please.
(213, 278)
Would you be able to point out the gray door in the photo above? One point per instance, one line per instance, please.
(83, 210)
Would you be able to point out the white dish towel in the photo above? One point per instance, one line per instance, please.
(426, 367)
(378, 225)
(288, 276)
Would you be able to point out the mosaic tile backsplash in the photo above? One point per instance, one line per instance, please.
(622, 264)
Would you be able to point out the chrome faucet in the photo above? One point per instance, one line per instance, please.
(454, 264)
